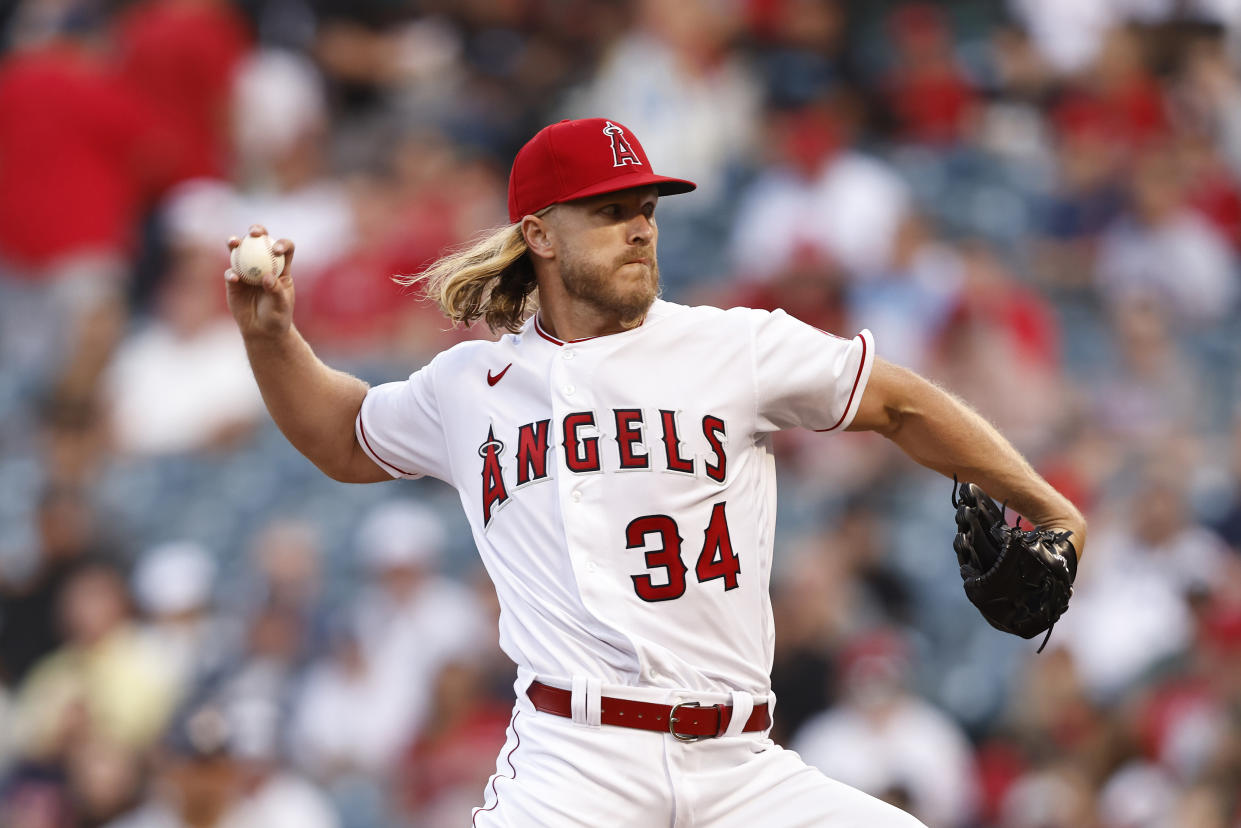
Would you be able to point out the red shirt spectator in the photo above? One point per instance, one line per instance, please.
(79, 156)
(1000, 349)
(1133, 116)
(930, 96)
(1211, 188)
(180, 56)
(355, 304)
(1119, 99)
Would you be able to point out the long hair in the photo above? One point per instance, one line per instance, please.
(490, 277)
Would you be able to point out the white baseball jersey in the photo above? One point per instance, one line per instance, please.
(621, 489)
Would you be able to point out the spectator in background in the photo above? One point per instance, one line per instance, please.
(81, 159)
(384, 662)
(1211, 186)
(809, 282)
(286, 557)
(832, 585)
(1138, 793)
(1119, 95)
(1184, 722)
(1131, 607)
(886, 741)
(1208, 95)
(273, 796)
(1051, 712)
(999, 347)
(280, 130)
(344, 684)
(818, 195)
(1084, 199)
(356, 309)
(179, 383)
(1050, 719)
(112, 153)
(375, 54)
(1058, 793)
(278, 608)
(260, 681)
(674, 79)
(1229, 524)
(424, 197)
(172, 585)
(216, 771)
(1086, 460)
(800, 47)
(180, 56)
(931, 99)
(68, 537)
(1016, 83)
(196, 783)
(444, 769)
(1148, 391)
(283, 602)
(812, 622)
(103, 682)
(73, 441)
(102, 780)
(907, 304)
(1166, 252)
(410, 620)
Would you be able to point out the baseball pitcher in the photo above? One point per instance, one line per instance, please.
(612, 452)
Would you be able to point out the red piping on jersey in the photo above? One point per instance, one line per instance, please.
(509, 758)
(375, 454)
(554, 340)
(856, 381)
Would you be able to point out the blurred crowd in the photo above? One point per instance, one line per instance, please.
(1037, 203)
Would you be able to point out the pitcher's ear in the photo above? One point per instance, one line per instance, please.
(539, 236)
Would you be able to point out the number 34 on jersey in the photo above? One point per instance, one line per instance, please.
(658, 535)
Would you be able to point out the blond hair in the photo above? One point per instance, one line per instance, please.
(491, 277)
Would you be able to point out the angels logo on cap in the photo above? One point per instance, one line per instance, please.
(569, 160)
(622, 153)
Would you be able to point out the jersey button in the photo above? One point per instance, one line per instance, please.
(576, 496)
(568, 355)
(590, 565)
(568, 390)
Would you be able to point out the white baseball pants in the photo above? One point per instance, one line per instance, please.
(554, 771)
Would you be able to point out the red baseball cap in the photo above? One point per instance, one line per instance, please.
(576, 159)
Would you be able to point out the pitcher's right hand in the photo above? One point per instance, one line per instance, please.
(264, 310)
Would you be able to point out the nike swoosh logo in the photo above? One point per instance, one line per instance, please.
(492, 380)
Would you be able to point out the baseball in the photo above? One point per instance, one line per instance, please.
(253, 259)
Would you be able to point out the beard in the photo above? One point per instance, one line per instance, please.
(598, 286)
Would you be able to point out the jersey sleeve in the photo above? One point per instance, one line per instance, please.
(400, 427)
(805, 377)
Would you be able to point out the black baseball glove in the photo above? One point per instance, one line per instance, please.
(1020, 580)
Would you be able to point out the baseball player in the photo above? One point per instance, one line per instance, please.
(613, 455)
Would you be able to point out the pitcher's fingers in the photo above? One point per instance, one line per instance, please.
(233, 241)
(230, 275)
(285, 247)
(258, 230)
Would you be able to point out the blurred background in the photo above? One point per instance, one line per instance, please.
(1035, 202)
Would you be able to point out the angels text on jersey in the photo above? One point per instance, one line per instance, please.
(641, 439)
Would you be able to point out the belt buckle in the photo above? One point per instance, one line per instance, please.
(672, 721)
